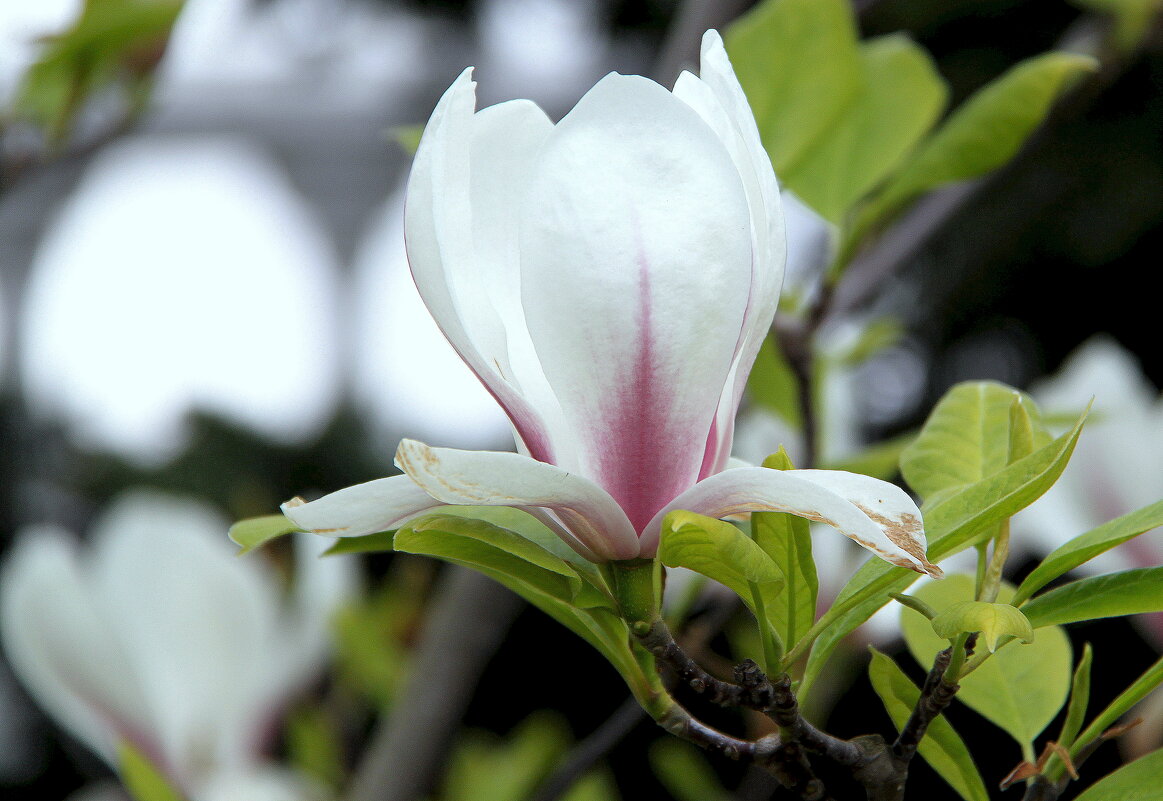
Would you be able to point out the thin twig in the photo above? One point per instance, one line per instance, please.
(466, 623)
(590, 750)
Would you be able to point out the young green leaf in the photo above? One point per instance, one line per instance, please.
(1128, 592)
(787, 539)
(986, 130)
(1085, 547)
(900, 98)
(1026, 434)
(257, 531)
(951, 522)
(369, 543)
(142, 778)
(721, 552)
(1019, 689)
(1138, 781)
(497, 552)
(967, 438)
(941, 747)
(811, 45)
(992, 620)
(1079, 698)
(1138, 690)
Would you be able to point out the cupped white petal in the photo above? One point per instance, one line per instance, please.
(367, 508)
(490, 478)
(64, 651)
(718, 98)
(875, 514)
(636, 271)
(460, 227)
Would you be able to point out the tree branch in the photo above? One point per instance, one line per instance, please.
(464, 626)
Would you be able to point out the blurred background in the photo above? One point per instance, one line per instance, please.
(203, 288)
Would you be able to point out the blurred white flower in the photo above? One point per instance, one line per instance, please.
(159, 636)
(180, 274)
(408, 379)
(1118, 464)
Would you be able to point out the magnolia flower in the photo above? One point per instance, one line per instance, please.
(159, 637)
(609, 279)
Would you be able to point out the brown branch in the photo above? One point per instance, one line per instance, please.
(464, 626)
(659, 642)
(586, 753)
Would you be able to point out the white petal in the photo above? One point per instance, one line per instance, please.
(877, 515)
(62, 650)
(361, 509)
(197, 622)
(460, 226)
(718, 98)
(489, 478)
(636, 273)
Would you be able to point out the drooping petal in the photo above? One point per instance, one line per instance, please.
(636, 273)
(490, 478)
(460, 226)
(718, 98)
(63, 650)
(875, 514)
(367, 508)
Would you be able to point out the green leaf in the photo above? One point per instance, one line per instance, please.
(799, 64)
(107, 42)
(565, 591)
(1085, 547)
(1026, 435)
(992, 620)
(1079, 699)
(1128, 592)
(719, 551)
(1138, 781)
(369, 543)
(1019, 688)
(684, 772)
(951, 523)
(941, 747)
(900, 97)
(986, 130)
(142, 778)
(257, 531)
(1138, 690)
(494, 551)
(966, 438)
(787, 539)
